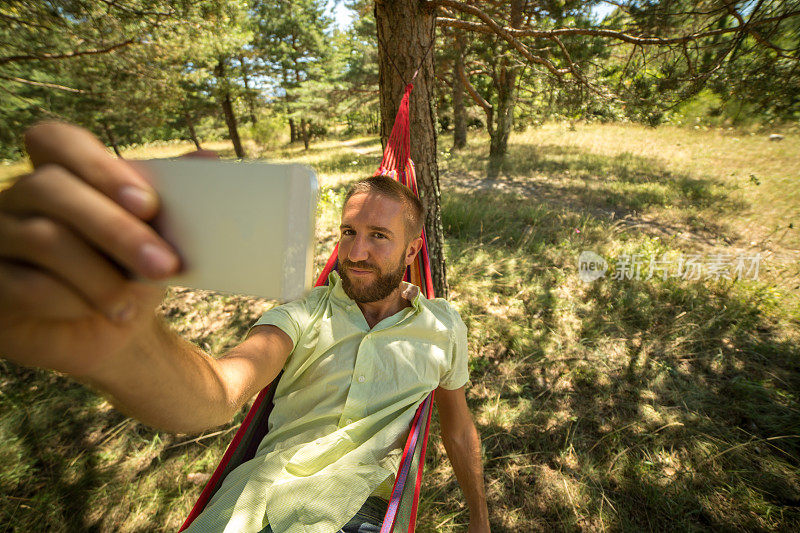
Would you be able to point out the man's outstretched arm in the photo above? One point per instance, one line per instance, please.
(463, 446)
(170, 384)
(74, 245)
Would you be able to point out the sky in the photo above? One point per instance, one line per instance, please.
(341, 14)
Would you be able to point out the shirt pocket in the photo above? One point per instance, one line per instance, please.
(406, 367)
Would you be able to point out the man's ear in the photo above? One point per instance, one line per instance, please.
(413, 249)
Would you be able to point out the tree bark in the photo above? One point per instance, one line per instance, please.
(406, 31)
(459, 109)
(248, 95)
(192, 132)
(506, 98)
(505, 82)
(287, 104)
(111, 139)
(227, 109)
(305, 131)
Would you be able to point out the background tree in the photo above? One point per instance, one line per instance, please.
(40, 39)
(151, 69)
(663, 53)
(291, 40)
(116, 68)
(406, 32)
(359, 105)
(221, 50)
(458, 90)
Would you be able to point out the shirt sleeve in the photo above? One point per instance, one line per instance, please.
(291, 318)
(458, 374)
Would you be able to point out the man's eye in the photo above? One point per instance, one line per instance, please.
(347, 232)
(379, 235)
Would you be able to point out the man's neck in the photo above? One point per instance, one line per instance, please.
(374, 312)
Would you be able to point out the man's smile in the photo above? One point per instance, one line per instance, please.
(359, 271)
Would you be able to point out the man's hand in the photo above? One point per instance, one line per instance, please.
(463, 446)
(76, 255)
(73, 235)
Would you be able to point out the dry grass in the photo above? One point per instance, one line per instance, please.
(627, 405)
(616, 405)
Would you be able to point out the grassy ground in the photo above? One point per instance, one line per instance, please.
(659, 404)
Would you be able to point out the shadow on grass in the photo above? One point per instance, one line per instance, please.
(54, 462)
(630, 405)
(71, 463)
(621, 186)
(367, 142)
(621, 405)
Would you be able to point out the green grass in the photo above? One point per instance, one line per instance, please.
(611, 405)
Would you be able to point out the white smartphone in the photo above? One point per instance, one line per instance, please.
(239, 227)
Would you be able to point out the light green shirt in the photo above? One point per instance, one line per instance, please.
(342, 410)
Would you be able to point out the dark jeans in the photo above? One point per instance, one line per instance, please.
(368, 519)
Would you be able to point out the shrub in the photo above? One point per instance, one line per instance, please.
(268, 131)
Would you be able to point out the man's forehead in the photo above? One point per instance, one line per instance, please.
(373, 209)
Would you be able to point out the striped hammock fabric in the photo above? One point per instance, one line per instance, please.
(402, 510)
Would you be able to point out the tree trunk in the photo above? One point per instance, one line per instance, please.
(305, 130)
(227, 109)
(406, 31)
(298, 131)
(248, 96)
(459, 109)
(498, 144)
(287, 105)
(505, 82)
(192, 132)
(111, 139)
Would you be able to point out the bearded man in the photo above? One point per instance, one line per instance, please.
(357, 356)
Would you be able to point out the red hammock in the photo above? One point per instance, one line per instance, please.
(402, 510)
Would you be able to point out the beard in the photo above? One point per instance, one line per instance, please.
(383, 286)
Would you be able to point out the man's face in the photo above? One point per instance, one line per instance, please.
(373, 253)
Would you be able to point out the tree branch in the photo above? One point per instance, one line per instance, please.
(473, 93)
(756, 35)
(141, 13)
(43, 84)
(576, 70)
(504, 33)
(490, 26)
(16, 20)
(625, 8)
(47, 57)
(34, 104)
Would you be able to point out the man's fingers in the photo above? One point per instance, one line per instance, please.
(31, 292)
(55, 193)
(84, 155)
(53, 247)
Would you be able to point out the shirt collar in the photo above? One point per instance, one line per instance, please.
(409, 291)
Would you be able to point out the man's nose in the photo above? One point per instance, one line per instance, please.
(358, 252)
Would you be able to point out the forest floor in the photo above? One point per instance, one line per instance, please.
(646, 401)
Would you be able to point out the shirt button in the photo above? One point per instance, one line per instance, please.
(361, 379)
(348, 421)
